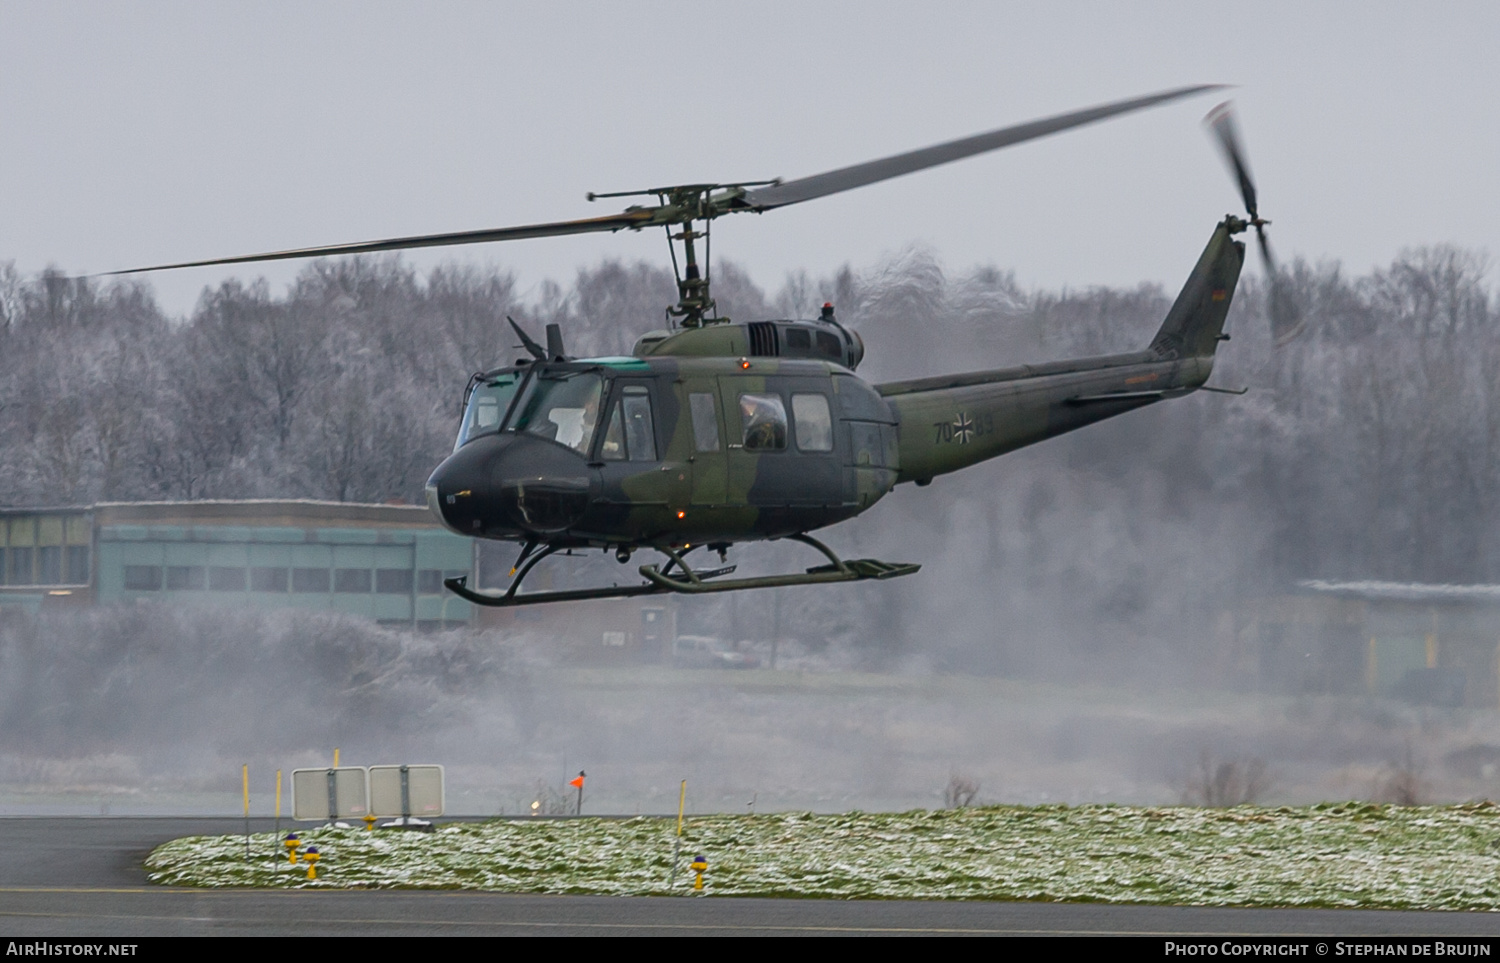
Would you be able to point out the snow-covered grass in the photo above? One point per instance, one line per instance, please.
(1339, 855)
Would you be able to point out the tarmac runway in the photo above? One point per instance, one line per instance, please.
(83, 877)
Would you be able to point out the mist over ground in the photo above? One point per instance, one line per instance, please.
(1066, 638)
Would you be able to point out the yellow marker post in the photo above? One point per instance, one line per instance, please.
(245, 791)
(335, 757)
(677, 846)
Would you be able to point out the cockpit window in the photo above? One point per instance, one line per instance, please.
(764, 418)
(487, 406)
(563, 408)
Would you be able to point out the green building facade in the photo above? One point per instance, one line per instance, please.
(384, 562)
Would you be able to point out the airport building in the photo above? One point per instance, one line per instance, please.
(384, 562)
(1427, 644)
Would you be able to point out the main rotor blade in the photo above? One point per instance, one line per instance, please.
(870, 172)
(613, 222)
(761, 199)
(1221, 121)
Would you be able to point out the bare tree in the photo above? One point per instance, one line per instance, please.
(1221, 782)
(960, 792)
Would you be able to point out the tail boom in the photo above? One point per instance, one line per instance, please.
(951, 422)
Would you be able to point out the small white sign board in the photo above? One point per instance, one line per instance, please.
(329, 793)
(406, 791)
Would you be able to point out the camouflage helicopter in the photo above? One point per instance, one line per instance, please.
(714, 432)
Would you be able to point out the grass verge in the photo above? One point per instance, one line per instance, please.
(1331, 855)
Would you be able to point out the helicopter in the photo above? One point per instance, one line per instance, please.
(714, 432)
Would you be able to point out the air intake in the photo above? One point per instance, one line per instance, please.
(763, 339)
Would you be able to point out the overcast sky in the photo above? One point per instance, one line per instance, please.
(137, 133)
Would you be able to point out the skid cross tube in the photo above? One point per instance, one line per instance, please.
(691, 582)
(837, 570)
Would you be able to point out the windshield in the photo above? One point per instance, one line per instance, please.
(487, 406)
(563, 408)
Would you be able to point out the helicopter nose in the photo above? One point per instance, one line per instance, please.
(458, 488)
(543, 486)
(508, 486)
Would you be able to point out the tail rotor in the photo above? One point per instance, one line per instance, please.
(1287, 320)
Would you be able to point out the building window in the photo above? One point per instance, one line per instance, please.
(49, 563)
(310, 580)
(223, 578)
(20, 566)
(265, 579)
(185, 578)
(143, 578)
(351, 580)
(393, 581)
(430, 581)
(78, 565)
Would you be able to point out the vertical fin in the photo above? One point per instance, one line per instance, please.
(1193, 327)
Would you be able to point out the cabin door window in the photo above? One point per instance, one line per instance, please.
(813, 421)
(630, 433)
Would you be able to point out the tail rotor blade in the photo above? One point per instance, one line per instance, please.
(1286, 315)
(1221, 121)
(1267, 261)
(1287, 321)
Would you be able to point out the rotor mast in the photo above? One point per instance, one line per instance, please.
(680, 207)
(694, 306)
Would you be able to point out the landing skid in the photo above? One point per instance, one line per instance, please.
(659, 579)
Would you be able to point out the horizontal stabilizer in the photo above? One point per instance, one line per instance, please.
(1155, 395)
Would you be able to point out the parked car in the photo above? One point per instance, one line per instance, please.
(703, 652)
